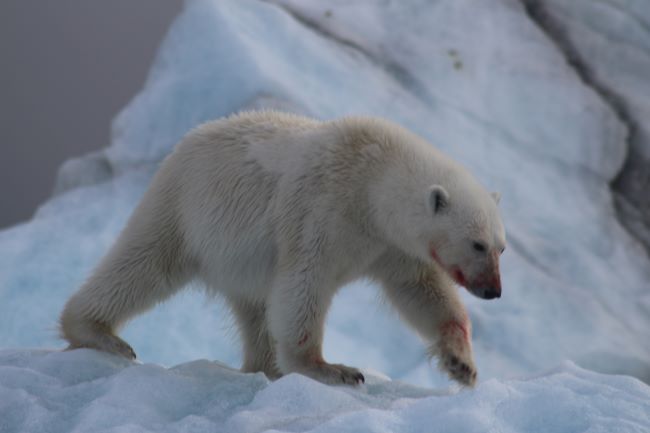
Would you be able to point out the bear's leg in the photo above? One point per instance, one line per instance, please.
(297, 308)
(438, 315)
(454, 350)
(259, 354)
(429, 302)
(136, 274)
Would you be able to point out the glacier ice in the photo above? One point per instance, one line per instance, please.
(480, 80)
(609, 44)
(87, 391)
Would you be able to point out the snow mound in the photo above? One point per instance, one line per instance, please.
(84, 391)
(480, 80)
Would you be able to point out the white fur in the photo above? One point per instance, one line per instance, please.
(277, 212)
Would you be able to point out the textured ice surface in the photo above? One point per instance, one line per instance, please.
(86, 391)
(609, 42)
(610, 39)
(480, 80)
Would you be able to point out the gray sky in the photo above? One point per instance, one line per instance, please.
(66, 68)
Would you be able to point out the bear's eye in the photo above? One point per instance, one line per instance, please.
(479, 246)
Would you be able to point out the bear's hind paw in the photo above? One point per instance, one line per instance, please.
(107, 343)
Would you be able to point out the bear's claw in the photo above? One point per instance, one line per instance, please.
(461, 371)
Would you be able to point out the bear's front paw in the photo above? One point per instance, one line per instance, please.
(335, 374)
(454, 351)
(461, 370)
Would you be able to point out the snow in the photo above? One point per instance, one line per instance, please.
(481, 81)
(87, 391)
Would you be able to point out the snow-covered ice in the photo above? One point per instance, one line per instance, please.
(86, 391)
(609, 41)
(481, 81)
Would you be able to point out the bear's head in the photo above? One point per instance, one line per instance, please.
(466, 236)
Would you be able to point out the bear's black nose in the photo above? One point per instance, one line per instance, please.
(491, 293)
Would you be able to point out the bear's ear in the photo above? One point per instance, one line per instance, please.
(496, 196)
(437, 198)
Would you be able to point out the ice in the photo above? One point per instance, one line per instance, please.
(609, 41)
(87, 391)
(481, 81)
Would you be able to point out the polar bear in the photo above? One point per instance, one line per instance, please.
(276, 212)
